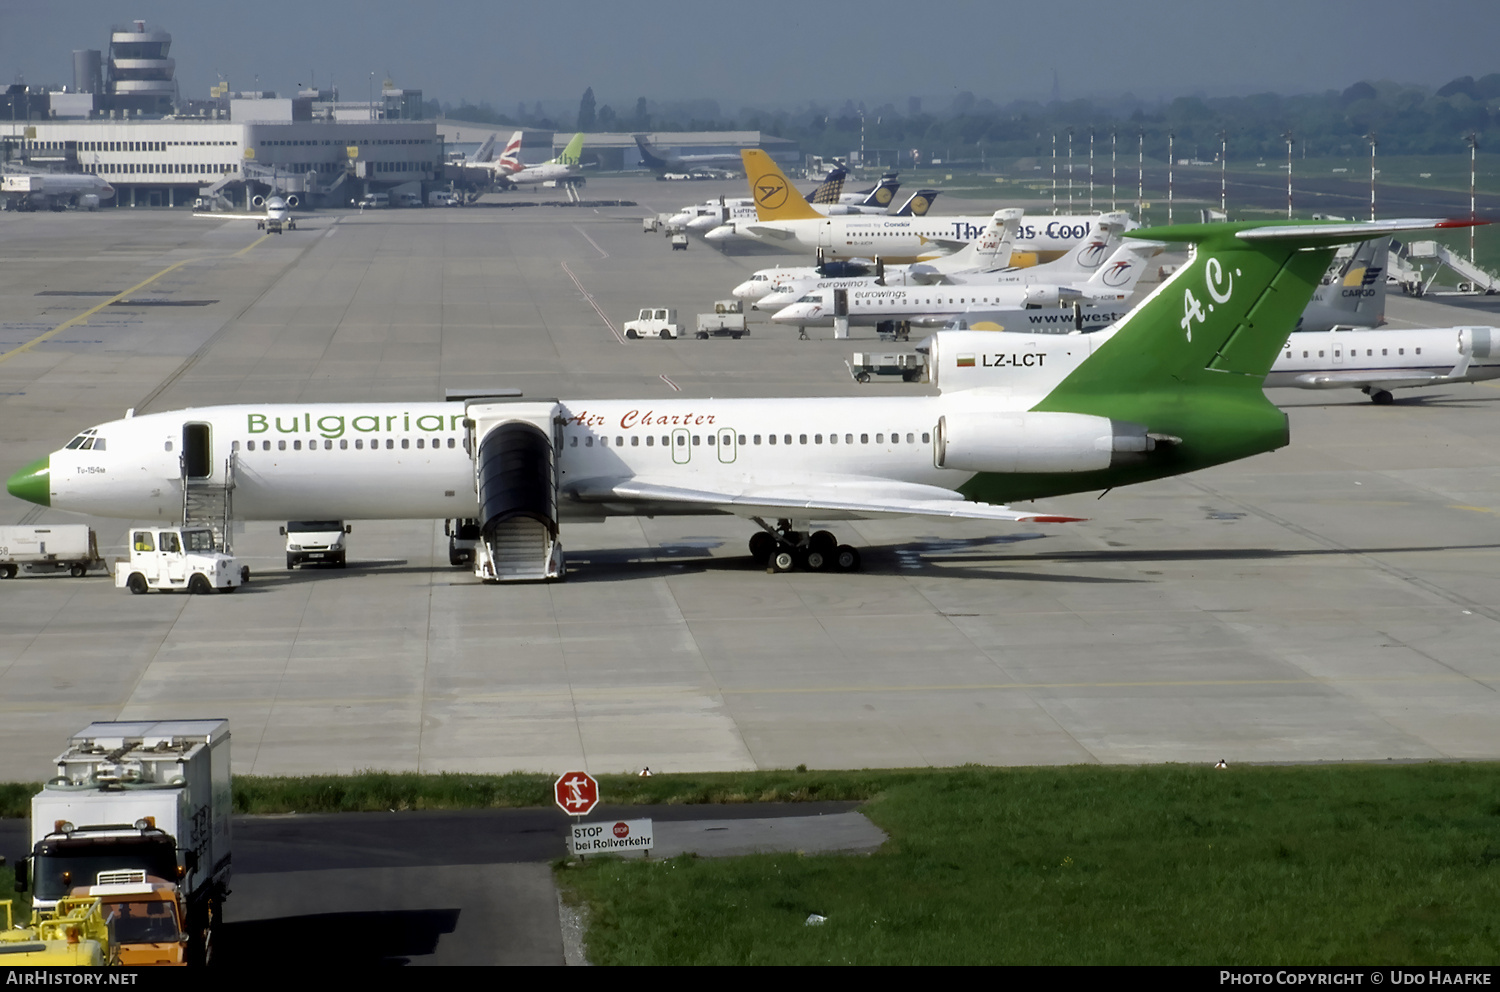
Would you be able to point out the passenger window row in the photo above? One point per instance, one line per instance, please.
(343, 444)
(784, 439)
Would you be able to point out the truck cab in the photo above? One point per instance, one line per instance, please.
(182, 558)
(314, 541)
(654, 322)
(146, 915)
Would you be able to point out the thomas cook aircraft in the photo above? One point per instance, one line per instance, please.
(1174, 387)
(784, 220)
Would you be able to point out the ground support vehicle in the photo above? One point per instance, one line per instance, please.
(727, 320)
(909, 365)
(74, 934)
(52, 548)
(315, 541)
(679, 242)
(137, 817)
(178, 558)
(463, 538)
(654, 322)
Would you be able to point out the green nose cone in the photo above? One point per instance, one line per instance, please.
(33, 483)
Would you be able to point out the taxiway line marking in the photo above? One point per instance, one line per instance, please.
(592, 302)
(91, 311)
(601, 251)
(74, 321)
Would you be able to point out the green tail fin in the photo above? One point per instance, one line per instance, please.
(571, 154)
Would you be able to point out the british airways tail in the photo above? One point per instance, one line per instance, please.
(510, 158)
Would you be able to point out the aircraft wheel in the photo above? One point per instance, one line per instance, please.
(1381, 397)
(783, 560)
(817, 561)
(846, 558)
(824, 541)
(761, 547)
(136, 583)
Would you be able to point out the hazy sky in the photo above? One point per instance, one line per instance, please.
(774, 52)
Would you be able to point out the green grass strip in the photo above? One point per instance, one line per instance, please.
(1347, 864)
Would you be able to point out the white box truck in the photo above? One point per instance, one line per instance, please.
(138, 815)
(53, 548)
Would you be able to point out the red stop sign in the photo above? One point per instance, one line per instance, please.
(576, 792)
(621, 830)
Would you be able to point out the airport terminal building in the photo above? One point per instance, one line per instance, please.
(170, 161)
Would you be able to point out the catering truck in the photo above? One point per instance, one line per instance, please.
(137, 816)
(51, 548)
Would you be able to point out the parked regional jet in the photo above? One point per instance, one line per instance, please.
(872, 305)
(1376, 362)
(1173, 387)
(784, 220)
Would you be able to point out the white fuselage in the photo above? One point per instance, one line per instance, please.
(1388, 358)
(912, 238)
(352, 461)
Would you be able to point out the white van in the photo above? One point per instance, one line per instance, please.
(375, 200)
(315, 541)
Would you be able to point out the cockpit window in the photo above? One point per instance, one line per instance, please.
(811, 298)
(84, 440)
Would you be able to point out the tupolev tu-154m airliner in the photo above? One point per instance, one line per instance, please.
(1173, 387)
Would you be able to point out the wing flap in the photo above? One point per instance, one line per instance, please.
(853, 500)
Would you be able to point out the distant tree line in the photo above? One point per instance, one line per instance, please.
(1411, 120)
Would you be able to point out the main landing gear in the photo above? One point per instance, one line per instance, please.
(1380, 397)
(783, 548)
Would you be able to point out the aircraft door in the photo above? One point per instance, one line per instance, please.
(682, 449)
(825, 234)
(197, 451)
(727, 449)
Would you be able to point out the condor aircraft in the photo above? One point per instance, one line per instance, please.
(1173, 387)
(783, 219)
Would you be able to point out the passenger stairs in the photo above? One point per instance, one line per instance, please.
(1479, 281)
(210, 503)
(515, 445)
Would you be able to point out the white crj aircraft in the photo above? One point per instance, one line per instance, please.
(276, 216)
(1376, 362)
(1174, 387)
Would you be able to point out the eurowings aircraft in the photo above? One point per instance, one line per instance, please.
(786, 221)
(1174, 387)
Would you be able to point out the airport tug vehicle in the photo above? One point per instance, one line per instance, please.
(178, 558)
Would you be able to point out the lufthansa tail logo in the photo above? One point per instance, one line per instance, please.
(919, 205)
(883, 195)
(770, 192)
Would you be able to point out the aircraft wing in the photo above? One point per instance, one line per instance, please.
(841, 499)
(219, 215)
(1360, 378)
(761, 231)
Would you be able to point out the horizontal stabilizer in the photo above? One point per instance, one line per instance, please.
(1312, 232)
